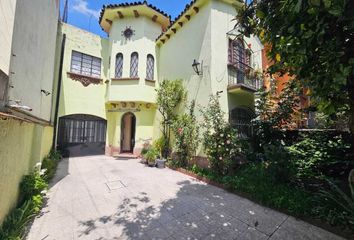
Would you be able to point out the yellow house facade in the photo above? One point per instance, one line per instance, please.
(106, 87)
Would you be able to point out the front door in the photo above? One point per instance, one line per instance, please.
(128, 133)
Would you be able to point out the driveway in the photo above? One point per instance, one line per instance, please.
(104, 198)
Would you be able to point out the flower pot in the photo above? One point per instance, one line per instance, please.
(151, 164)
(161, 163)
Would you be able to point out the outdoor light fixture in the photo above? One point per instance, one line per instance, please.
(197, 67)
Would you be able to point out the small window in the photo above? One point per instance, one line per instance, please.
(119, 66)
(150, 63)
(134, 65)
(85, 64)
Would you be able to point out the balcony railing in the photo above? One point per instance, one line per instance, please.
(240, 75)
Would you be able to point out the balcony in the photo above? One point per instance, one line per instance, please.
(242, 77)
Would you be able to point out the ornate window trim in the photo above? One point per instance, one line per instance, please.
(84, 79)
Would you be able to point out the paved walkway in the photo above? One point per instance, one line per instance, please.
(103, 198)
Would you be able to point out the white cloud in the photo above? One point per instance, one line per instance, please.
(81, 7)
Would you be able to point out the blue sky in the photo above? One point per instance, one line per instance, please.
(85, 13)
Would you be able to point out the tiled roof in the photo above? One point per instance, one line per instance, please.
(188, 6)
(110, 6)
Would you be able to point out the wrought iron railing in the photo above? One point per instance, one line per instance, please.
(242, 74)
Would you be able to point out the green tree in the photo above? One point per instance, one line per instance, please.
(312, 40)
(169, 96)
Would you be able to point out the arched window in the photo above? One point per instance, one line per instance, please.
(119, 66)
(134, 65)
(240, 118)
(150, 63)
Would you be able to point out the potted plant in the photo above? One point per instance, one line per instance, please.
(151, 156)
(160, 145)
(143, 155)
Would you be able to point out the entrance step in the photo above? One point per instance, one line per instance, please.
(125, 156)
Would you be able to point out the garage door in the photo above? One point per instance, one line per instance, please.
(82, 135)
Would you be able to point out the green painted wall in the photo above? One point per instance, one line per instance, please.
(75, 98)
(22, 145)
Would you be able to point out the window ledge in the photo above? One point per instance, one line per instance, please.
(122, 79)
(150, 80)
(85, 79)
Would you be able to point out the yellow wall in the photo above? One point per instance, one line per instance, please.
(22, 145)
(145, 121)
(76, 98)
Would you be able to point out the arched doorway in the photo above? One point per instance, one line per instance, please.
(128, 126)
(81, 135)
(240, 118)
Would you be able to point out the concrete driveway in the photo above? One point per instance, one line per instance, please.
(103, 198)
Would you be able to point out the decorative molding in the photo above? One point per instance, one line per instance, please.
(128, 33)
(154, 18)
(84, 80)
(136, 13)
(120, 14)
(122, 79)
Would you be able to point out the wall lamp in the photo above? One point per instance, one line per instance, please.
(197, 67)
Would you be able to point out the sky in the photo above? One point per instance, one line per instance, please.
(85, 13)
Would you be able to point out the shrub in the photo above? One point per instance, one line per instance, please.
(316, 155)
(50, 164)
(13, 228)
(186, 132)
(33, 184)
(170, 95)
(279, 165)
(220, 139)
(336, 206)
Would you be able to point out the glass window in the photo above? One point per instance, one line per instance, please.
(150, 63)
(119, 65)
(85, 64)
(134, 65)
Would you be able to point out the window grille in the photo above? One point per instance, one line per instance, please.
(240, 118)
(134, 64)
(85, 64)
(119, 65)
(150, 67)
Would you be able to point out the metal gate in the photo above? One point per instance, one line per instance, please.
(82, 135)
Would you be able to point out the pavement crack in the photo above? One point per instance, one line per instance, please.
(276, 229)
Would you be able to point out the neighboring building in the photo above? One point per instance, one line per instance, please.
(304, 118)
(27, 60)
(108, 86)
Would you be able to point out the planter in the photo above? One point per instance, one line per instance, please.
(151, 164)
(161, 163)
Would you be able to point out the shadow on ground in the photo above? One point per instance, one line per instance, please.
(194, 213)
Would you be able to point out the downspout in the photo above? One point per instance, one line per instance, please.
(62, 52)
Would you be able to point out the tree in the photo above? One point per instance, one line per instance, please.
(169, 95)
(311, 40)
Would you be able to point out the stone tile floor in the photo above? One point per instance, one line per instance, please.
(102, 198)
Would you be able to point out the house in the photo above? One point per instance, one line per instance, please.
(107, 86)
(27, 63)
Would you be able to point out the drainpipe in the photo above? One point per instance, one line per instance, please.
(62, 52)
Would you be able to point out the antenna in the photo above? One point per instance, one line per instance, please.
(65, 14)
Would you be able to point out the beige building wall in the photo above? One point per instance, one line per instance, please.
(7, 17)
(33, 49)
